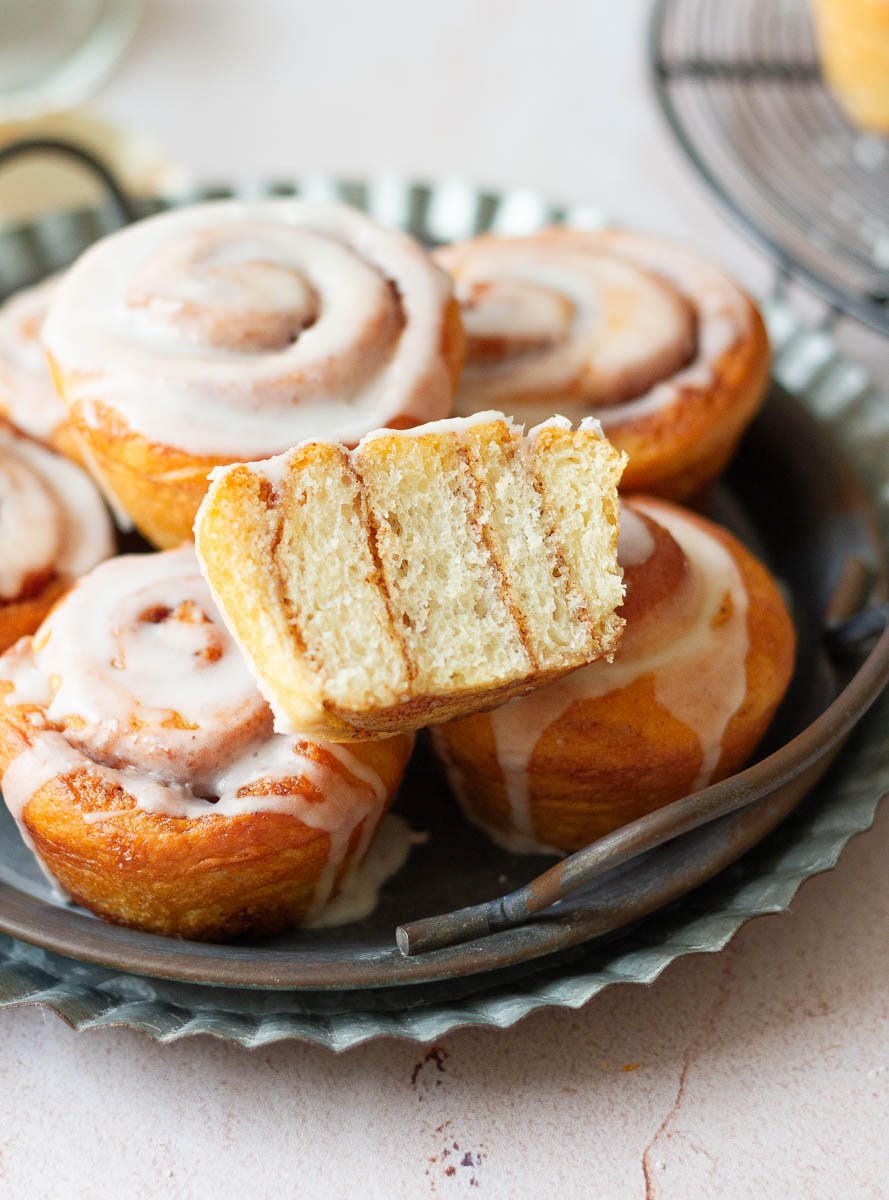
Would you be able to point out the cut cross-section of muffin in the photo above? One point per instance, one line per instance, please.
(421, 576)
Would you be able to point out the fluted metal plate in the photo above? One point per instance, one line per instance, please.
(765, 880)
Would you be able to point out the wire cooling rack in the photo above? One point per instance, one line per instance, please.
(741, 88)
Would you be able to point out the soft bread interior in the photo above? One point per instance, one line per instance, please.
(326, 559)
(421, 576)
(526, 544)
(447, 599)
(570, 466)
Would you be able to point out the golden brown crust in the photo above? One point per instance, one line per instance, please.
(21, 617)
(210, 878)
(421, 711)
(676, 451)
(610, 759)
(161, 487)
(64, 441)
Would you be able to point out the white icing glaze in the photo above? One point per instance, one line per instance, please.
(700, 675)
(625, 316)
(359, 891)
(591, 425)
(635, 543)
(142, 687)
(274, 469)
(238, 329)
(510, 839)
(116, 651)
(52, 519)
(445, 425)
(27, 394)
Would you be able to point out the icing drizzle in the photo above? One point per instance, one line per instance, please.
(237, 330)
(699, 671)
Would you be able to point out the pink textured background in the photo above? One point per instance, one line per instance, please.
(762, 1071)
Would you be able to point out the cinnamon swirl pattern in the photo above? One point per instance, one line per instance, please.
(53, 527)
(28, 398)
(140, 763)
(662, 347)
(706, 655)
(229, 332)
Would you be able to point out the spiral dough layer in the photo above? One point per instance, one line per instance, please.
(27, 395)
(663, 348)
(52, 522)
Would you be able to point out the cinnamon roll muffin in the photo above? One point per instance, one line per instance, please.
(663, 348)
(230, 332)
(706, 656)
(140, 762)
(53, 527)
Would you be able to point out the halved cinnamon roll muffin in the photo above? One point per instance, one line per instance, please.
(660, 345)
(706, 656)
(229, 332)
(53, 527)
(422, 575)
(140, 763)
(28, 397)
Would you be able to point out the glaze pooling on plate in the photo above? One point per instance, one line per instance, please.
(359, 892)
